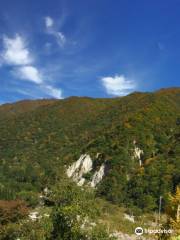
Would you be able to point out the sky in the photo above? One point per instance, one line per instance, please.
(94, 48)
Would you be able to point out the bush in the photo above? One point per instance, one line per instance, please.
(12, 211)
(30, 197)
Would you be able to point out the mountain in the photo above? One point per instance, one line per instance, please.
(22, 107)
(132, 145)
(126, 149)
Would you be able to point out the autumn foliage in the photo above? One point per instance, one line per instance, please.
(12, 211)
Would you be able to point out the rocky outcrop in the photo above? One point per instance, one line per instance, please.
(34, 215)
(129, 217)
(82, 166)
(138, 153)
(98, 176)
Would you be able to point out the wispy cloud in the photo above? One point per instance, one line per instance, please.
(29, 73)
(51, 30)
(52, 91)
(38, 91)
(118, 85)
(16, 54)
(15, 51)
(61, 39)
(49, 22)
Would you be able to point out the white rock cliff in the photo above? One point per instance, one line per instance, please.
(98, 176)
(137, 153)
(82, 166)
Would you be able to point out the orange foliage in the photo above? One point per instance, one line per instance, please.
(12, 211)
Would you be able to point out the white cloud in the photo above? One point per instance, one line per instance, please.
(32, 74)
(29, 73)
(118, 85)
(49, 22)
(15, 51)
(40, 91)
(16, 54)
(59, 35)
(52, 91)
(61, 39)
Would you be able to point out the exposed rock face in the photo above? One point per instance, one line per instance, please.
(98, 175)
(81, 182)
(82, 166)
(138, 153)
(34, 216)
(129, 217)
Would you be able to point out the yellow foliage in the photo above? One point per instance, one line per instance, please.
(175, 211)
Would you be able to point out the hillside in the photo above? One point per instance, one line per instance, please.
(136, 137)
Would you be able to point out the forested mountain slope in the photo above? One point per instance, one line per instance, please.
(40, 139)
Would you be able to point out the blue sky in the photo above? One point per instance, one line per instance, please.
(97, 48)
